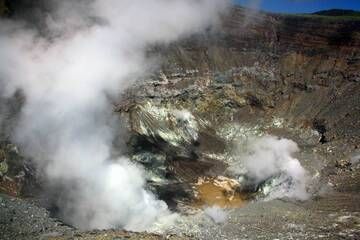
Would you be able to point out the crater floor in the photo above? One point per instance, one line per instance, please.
(294, 77)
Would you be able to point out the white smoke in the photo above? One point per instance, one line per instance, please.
(217, 214)
(271, 158)
(252, 12)
(91, 52)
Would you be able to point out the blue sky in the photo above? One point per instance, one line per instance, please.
(300, 6)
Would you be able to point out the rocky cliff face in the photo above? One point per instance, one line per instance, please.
(257, 73)
(304, 69)
(273, 71)
(291, 76)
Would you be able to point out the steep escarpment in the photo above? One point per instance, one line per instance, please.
(256, 74)
(300, 68)
(290, 76)
(287, 72)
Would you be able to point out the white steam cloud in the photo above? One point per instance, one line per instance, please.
(91, 52)
(271, 159)
(217, 214)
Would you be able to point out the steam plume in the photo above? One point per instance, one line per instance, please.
(91, 52)
(268, 157)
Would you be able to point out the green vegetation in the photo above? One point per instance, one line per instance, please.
(329, 15)
(3, 8)
(322, 17)
(338, 13)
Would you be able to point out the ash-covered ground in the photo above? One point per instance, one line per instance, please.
(260, 117)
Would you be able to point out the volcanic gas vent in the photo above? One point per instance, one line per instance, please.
(179, 117)
(190, 163)
(73, 59)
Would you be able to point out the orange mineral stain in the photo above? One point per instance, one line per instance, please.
(219, 191)
(10, 187)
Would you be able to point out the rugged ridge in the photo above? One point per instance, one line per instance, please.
(278, 62)
(292, 76)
